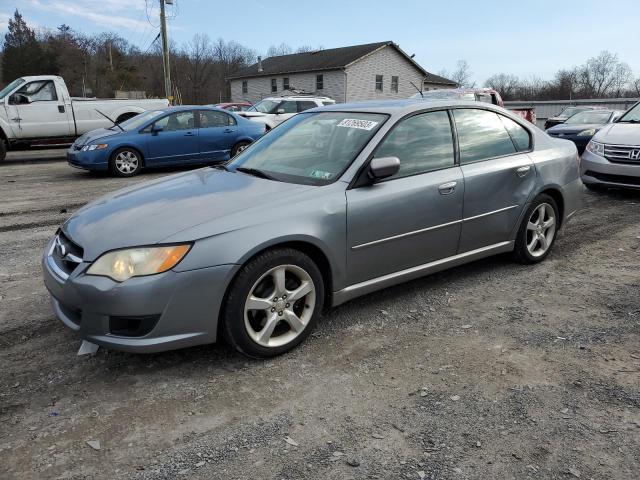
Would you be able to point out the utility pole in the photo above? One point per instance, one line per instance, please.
(165, 51)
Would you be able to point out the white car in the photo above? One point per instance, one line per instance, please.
(38, 110)
(273, 111)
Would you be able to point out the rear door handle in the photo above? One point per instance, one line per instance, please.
(189, 134)
(229, 130)
(447, 188)
(523, 171)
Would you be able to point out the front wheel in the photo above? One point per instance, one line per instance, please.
(125, 162)
(538, 230)
(274, 303)
(3, 150)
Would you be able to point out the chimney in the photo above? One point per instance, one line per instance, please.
(259, 64)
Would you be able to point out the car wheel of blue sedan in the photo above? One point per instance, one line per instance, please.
(239, 147)
(273, 303)
(125, 162)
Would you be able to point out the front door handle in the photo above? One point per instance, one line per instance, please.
(189, 134)
(523, 171)
(229, 130)
(61, 108)
(447, 188)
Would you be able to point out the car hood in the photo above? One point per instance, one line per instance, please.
(251, 114)
(149, 213)
(564, 128)
(619, 134)
(96, 134)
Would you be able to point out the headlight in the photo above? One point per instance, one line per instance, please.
(121, 265)
(595, 147)
(95, 146)
(587, 133)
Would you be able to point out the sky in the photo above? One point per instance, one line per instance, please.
(526, 38)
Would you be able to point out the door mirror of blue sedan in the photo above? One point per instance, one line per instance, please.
(383, 167)
(156, 129)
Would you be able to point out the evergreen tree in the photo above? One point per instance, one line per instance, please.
(23, 54)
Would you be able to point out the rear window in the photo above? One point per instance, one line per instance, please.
(481, 135)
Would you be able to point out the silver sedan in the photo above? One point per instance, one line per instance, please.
(335, 203)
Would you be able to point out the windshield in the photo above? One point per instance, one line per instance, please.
(632, 116)
(568, 112)
(588, 117)
(139, 120)
(265, 106)
(311, 148)
(5, 91)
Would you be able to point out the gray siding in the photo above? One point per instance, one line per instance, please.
(388, 62)
(260, 87)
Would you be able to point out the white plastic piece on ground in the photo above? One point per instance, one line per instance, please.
(87, 348)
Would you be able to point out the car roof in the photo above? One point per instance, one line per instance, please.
(179, 108)
(299, 97)
(402, 106)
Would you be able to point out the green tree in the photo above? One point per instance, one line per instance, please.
(23, 54)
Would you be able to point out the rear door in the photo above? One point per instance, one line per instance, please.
(217, 134)
(37, 110)
(177, 142)
(414, 217)
(499, 176)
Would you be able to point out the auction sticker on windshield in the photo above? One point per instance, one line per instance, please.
(356, 123)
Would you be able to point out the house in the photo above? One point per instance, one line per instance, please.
(348, 74)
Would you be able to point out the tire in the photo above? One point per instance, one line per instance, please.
(3, 150)
(125, 162)
(238, 147)
(594, 187)
(125, 116)
(268, 329)
(543, 229)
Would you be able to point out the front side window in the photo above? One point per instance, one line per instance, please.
(319, 82)
(311, 148)
(481, 135)
(245, 86)
(285, 83)
(379, 83)
(40, 91)
(423, 143)
(288, 106)
(274, 85)
(394, 84)
(265, 106)
(210, 119)
(177, 121)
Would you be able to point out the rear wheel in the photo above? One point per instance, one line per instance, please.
(239, 147)
(274, 303)
(125, 162)
(538, 230)
(3, 149)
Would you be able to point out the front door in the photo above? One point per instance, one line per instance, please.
(499, 176)
(286, 109)
(37, 111)
(217, 135)
(175, 142)
(415, 216)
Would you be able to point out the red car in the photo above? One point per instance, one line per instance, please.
(233, 107)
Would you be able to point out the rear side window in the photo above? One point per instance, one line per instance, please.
(481, 135)
(519, 134)
(209, 118)
(302, 106)
(289, 106)
(423, 143)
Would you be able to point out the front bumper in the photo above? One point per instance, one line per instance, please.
(597, 170)
(96, 160)
(179, 309)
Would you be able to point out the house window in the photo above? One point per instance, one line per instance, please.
(319, 82)
(285, 83)
(378, 83)
(394, 84)
(245, 87)
(274, 85)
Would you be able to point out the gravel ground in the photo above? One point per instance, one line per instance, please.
(492, 370)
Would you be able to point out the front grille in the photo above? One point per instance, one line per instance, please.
(622, 153)
(66, 254)
(621, 179)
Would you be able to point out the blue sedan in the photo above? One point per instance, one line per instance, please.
(173, 136)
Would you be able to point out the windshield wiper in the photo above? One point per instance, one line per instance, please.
(220, 166)
(115, 124)
(629, 121)
(255, 172)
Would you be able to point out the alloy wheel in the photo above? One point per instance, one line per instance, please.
(127, 162)
(541, 229)
(279, 306)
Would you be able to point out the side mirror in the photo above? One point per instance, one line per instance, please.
(280, 111)
(155, 129)
(383, 167)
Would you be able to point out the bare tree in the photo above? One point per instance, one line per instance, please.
(198, 62)
(604, 75)
(276, 51)
(506, 84)
(461, 75)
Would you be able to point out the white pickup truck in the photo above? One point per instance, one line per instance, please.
(38, 110)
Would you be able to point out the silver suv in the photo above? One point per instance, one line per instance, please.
(272, 111)
(612, 157)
